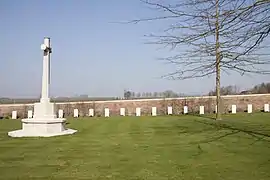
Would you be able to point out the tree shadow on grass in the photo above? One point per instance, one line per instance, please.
(182, 129)
(223, 130)
(259, 136)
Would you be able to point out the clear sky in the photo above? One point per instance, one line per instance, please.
(91, 55)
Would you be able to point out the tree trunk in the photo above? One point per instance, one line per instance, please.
(218, 113)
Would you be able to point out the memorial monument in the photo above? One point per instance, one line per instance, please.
(44, 122)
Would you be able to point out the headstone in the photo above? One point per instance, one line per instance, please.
(138, 111)
(201, 109)
(249, 110)
(233, 109)
(122, 112)
(30, 114)
(14, 115)
(185, 109)
(154, 111)
(216, 109)
(91, 112)
(106, 112)
(266, 108)
(60, 113)
(170, 110)
(76, 113)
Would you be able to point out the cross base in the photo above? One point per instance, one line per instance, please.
(42, 128)
(22, 133)
(43, 124)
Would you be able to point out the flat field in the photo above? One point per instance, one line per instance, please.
(154, 148)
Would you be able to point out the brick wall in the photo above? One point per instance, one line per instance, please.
(193, 103)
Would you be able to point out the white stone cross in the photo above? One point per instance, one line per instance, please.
(47, 50)
(44, 122)
(45, 109)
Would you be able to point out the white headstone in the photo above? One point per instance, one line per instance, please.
(154, 111)
(234, 109)
(14, 115)
(249, 110)
(91, 112)
(30, 114)
(169, 110)
(138, 111)
(185, 109)
(60, 113)
(106, 112)
(216, 109)
(201, 109)
(266, 108)
(122, 112)
(76, 113)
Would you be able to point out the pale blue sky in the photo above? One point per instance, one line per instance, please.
(91, 55)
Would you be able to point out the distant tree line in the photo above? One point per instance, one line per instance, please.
(262, 88)
(138, 95)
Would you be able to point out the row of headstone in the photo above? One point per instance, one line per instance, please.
(15, 116)
(138, 111)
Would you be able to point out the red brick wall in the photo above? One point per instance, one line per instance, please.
(193, 103)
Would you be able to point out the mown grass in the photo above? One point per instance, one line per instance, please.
(156, 148)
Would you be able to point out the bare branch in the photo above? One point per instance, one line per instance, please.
(209, 36)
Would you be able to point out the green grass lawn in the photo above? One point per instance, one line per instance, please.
(153, 148)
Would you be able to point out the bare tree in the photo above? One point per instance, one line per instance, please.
(127, 94)
(210, 36)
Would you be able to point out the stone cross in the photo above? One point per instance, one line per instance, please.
(44, 123)
(47, 50)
